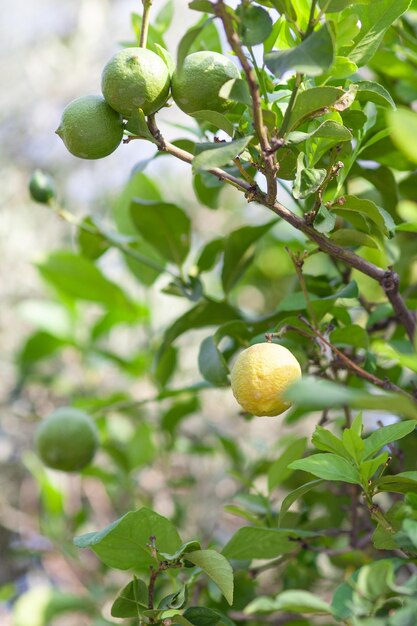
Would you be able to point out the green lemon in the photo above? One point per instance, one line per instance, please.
(196, 86)
(90, 128)
(41, 187)
(67, 440)
(135, 78)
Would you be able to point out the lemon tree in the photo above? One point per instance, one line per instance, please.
(67, 440)
(281, 269)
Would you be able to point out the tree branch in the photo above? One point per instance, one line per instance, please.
(351, 365)
(260, 129)
(388, 279)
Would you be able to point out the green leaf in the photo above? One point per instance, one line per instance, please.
(38, 346)
(238, 252)
(210, 254)
(279, 471)
(163, 19)
(255, 24)
(366, 208)
(217, 155)
(137, 125)
(293, 497)
(165, 226)
(403, 130)
(203, 616)
(315, 393)
(212, 364)
(387, 434)
(236, 89)
(388, 351)
(328, 130)
(124, 544)
(217, 119)
(350, 237)
(324, 439)
(139, 186)
(312, 57)
(329, 467)
(77, 277)
(369, 91)
(251, 542)
(217, 568)
(376, 18)
(308, 180)
(368, 468)
(131, 600)
(404, 482)
(92, 244)
(205, 313)
(312, 102)
(354, 444)
(325, 221)
(188, 40)
(352, 335)
(189, 546)
(292, 601)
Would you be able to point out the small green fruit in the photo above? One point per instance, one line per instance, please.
(67, 440)
(135, 78)
(90, 128)
(196, 86)
(41, 187)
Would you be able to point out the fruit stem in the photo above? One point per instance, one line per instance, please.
(145, 23)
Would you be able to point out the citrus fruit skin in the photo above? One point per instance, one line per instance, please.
(41, 187)
(67, 439)
(196, 86)
(90, 128)
(260, 376)
(135, 78)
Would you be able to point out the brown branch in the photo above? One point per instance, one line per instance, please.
(260, 129)
(354, 367)
(388, 279)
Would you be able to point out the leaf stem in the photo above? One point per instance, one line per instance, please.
(145, 23)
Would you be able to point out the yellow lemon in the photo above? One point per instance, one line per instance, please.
(260, 376)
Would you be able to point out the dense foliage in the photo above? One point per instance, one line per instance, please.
(319, 140)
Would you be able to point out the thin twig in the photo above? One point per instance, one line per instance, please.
(351, 365)
(298, 262)
(145, 23)
(260, 129)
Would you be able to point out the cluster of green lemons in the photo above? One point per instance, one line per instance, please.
(136, 78)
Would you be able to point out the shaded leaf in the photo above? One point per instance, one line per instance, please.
(312, 57)
(217, 155)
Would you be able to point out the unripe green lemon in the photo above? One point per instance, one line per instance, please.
(260, 376)
(41, 187)
(67, 439)
(90, 128)
(135, 78)
(196, 86)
